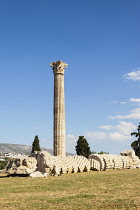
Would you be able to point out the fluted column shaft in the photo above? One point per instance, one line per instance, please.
(59, 115)
(59, 108)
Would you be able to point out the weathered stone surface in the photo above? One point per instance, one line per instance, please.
(59, 108)
(59, 164)
(97, 162)
(37, 174)
(23, 165)
(106, 161)
(129, 152)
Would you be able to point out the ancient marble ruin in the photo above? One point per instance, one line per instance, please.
(59, 108)
(45, 163)
(60, 165)
(42, 163)
(103, 162)
(22, 165)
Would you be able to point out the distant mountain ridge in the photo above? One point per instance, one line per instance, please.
(20, 149)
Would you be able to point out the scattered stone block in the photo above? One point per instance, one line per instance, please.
(37, 174)
(127, 160)
(129, 152)
(23, 165)
(57, 165)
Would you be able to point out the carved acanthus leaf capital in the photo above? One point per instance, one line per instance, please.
(58, 67)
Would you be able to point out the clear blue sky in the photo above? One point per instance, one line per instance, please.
(100, 40)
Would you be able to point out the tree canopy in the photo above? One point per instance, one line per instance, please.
(136, 144)
(102, 152)
(35, 144)
(82, 147)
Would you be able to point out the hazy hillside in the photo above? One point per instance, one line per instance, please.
(20, 149)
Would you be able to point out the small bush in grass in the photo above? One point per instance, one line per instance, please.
(3, 164)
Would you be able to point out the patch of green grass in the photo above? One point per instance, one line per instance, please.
(114, 189)
(59, 200)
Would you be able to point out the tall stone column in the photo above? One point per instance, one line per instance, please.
(59, 108)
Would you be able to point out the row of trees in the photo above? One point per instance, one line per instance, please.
(82, 147)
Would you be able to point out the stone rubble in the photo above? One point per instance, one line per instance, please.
(57, 165)
(22, 165)
(38, 174)
(102, 162)
(42, 164)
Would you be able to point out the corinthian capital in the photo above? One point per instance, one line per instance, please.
(58, 67)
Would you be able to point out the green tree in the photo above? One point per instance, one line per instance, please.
(82, 147)
(35, 144)
(136, 144)
(93, 152)
(103, 152)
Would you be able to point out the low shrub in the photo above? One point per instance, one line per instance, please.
(3, 164)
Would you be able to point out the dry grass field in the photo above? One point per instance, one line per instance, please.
(114, 189)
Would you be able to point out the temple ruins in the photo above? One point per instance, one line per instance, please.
(57, 165)
(45, 163)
